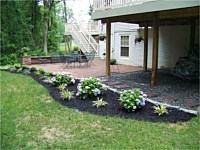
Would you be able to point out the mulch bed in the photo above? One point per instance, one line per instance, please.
(114, 108)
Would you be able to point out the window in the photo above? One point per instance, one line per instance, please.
(125, 46)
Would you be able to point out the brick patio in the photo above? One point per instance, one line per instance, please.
(92, 70)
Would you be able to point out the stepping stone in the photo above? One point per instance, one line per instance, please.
(122, 86)
(150, 94)
(112, 83)
(190, 103)
(170, 99)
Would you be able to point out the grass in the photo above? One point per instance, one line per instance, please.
(31, 119)
(62, 46)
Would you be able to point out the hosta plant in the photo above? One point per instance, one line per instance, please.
(67, 95)
(62, 87)
(32, 69)
(41, 71)
(48, 74)
(99, 103)
(160, 109)
(37, 73)
(13, 69)
(20, 70)
(132, 99)
(90, 87)
(63, 79)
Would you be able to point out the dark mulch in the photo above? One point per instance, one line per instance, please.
(114, 108)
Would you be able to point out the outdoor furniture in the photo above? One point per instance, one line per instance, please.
(56, 57)
(82, 59)
(42, 60)
(91, 57)
(69, 59)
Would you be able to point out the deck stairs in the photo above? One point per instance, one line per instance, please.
(83, 38)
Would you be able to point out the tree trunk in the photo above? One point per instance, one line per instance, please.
(45, 26)
(65, 12)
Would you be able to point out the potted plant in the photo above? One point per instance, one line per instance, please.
(25, 51)
(102, 37)
(138, 39)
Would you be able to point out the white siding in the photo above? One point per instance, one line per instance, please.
(173, 43)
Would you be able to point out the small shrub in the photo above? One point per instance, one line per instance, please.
(160, 109)
(61, 87)
(26, 72)
(32, 69)
(67, 95)
(63, 78)
(48, 74)
(20, 70)
(132, 99)
(99, 103)
(13, 69)
(41, 71)
(37, 73)
(113, 61)
(17, 66)
(90, 87)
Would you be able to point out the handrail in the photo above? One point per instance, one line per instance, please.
(77, 31)
(110, 4)
(90, 39)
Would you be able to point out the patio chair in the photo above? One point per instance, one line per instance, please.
(91, 57)
(42, 60)
(70, 60)
(82, 59)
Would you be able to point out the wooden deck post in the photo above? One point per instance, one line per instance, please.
(145, 48)
(70, 43)
(155, 51)
(108, 35)
(192, 36)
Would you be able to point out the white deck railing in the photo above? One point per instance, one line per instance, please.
(110, 4)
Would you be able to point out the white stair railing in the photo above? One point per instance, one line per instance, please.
(83, 38)
(91, 41)
(79, 38)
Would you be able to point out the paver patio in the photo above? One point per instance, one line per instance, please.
(98, 68)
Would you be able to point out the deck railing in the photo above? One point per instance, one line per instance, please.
(110, 4)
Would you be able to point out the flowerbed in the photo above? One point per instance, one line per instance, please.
(113, 107)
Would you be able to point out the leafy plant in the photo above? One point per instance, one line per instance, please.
(25, 49)
(113, 61)
(99, 103)
(61, 87)
(13, 69)
(37, 73)
(41, 71)
(32, 69)
(160, 109)
(48, 74)
(26, 72)
(63, 78)
(20, 70)
(90, 87)
(132, 99)
(67, 95)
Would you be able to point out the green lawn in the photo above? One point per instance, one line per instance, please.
(31, 119)
(62, 46)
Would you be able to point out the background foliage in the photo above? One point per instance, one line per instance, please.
(22, 24)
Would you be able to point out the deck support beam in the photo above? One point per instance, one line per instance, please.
(155, 50)
(145, 48)
(108, 41)
(192, 36)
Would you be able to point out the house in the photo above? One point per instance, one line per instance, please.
(169, 28)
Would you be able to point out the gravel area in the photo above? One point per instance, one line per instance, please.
(168, 86)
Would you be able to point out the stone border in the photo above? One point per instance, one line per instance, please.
(155, 102)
